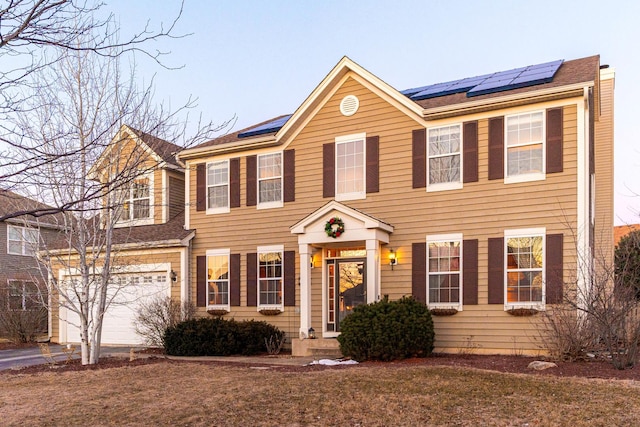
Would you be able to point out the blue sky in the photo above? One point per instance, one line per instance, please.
(260, 59)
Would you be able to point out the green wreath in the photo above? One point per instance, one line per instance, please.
(334, 227)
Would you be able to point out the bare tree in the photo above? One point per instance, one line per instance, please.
(86, 104)
(37, 34)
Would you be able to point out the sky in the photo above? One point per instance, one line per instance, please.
(257, 59)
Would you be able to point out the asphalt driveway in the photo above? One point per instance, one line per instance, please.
(20, 357)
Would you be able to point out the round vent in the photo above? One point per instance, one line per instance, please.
(349, 105)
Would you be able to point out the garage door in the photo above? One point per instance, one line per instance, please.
(132, 291)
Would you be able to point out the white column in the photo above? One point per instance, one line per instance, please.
(305, 289)
(373, 269)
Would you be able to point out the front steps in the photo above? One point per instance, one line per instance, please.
(320, 348)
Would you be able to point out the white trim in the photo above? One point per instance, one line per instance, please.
(536, 176)
(187, 201)
(275, 203)
(165, 196)
(447, 238)
(524, 232)
(221, 209)
(453, 185)
(346, 139)
(184, 274)
(583, 178)
(219, 252)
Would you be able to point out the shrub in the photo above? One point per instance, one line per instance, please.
(156, 315)
(387, 330)
(218, 337)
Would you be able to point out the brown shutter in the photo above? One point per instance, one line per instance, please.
(419, 271)
(328, 170)
(419, 158)
(234, 183)
(201, 281)
(496, 148)
(554, 268)
(289, 160)
(234, 280)
(373, 166)
(554, 140)
(252, 182)
(290, 278)
(252, 280)
(470, 272)
(201, 187)
(496, 270)
(470, 154)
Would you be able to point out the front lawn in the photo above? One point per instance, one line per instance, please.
(184, 393)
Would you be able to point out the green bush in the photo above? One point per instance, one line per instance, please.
(218, 337)
(387, 330)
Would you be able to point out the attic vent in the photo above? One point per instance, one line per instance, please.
(349, 105)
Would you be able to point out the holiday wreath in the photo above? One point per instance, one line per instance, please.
(334, 227)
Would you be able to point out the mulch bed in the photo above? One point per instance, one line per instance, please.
(499, 363)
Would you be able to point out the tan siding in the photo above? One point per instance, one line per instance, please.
(176, 195)
(604, 173)
(480, 210)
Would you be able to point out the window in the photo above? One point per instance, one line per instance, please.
(270, 180)
(218, 278)
(350, 167)
(22, 240)
(23, 295)
(525, 146)
(443, 152)
(136, 204)
(444, 255)
(218, 186)
(524, 269)
(270, 279)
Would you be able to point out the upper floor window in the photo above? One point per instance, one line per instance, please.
(137, 200)
(524, 253)
(444, 256)
(218, 278)
(525, 145)
(350, 167)
(22, 240)
(218, 186)
(270, 277)
(443, 153)
(270, 180)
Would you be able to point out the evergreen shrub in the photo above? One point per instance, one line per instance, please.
(387, 330)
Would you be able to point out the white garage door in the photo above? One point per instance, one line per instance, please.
(118, 326)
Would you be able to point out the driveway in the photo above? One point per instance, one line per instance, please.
(16, 358)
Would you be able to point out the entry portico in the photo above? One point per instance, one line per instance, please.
(315, 246)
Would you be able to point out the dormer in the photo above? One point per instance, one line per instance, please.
(142, 180)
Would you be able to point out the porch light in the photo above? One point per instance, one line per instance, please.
(174, 276)
(311, 258)
(393, 260)
(312, 334)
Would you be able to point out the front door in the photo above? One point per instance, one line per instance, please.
(347, 288)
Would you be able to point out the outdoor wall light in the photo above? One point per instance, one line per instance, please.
(393, 259)
(312, 334)
(311, 258)
(174, 276)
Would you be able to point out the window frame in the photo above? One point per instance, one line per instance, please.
(525, 177)
(219, 253)
(23, 295)
(275, 203)
(220, 209)
(266, 250)
(347, 139)
(25, 245)
(525, 233)
(129, 199)
(452, 185)
(446, 238)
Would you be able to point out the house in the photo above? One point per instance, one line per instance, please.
(150, 243)
(23, 282)
(476, 196)
(622, 230)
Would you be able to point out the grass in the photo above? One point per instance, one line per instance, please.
(174, 393)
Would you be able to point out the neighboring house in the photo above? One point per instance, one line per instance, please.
(150, 244)
(23, 281)
(474, 196)
(622, 230)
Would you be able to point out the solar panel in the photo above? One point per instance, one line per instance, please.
(489, 83)
(272, 126)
